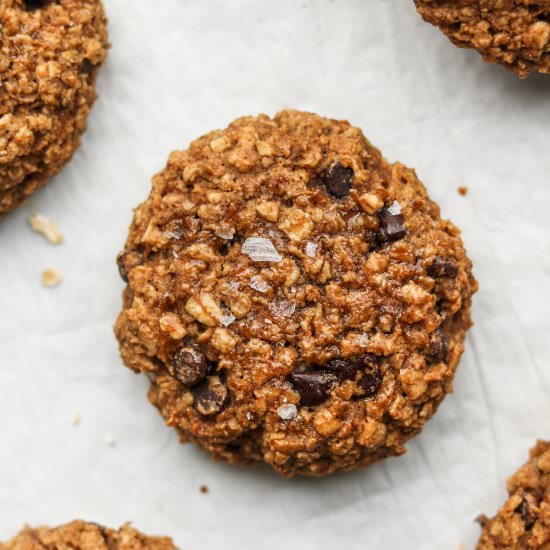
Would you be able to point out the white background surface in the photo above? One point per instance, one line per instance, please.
(177, 69)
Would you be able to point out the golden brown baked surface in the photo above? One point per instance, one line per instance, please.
(523, 523)
(50, 52)
(79, 535)
(514, 33)
(292, 297)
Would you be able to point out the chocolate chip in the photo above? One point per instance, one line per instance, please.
(338, 180)
(32, 5)
(391, 227)
(344, 369)
(86, 67)
(437, 348)
(370, 383)
(313, 386)
(121, 267)
(210, 398)
(443, 268)
(189, 366)
(525, 510)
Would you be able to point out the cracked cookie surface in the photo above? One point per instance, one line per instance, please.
(293, 297)
(80, 535)
(50, 52)
(523, 523)
(513, 33)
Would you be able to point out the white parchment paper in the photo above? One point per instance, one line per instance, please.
(177, 69)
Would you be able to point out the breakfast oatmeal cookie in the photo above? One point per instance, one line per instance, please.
(80, 535)
(514, 33)
(523, 523)
(293, 297)
(50, 52)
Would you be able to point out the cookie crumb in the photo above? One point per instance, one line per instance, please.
(110, 440)
(76, 419)
(204, 489)
(46, 227)
(463, 190)
(51, 277)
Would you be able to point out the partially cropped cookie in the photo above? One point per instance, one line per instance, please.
(50, 52)
(514, 33)
(79, 535)
(523, 523)
(292, 297)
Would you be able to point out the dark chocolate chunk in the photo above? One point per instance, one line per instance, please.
(391, 227)
(189, 366)
(33, 5)
(443, 268)
(370, 382)
(313, 386)
(437, 349)
(344, 369)
(525, 510)
(210, 398)
(338, 180)
(121, 267)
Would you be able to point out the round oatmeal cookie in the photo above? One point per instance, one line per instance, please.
(524, 520)
(80, 535)
(514, 33)
(292, 297)
(50, 52)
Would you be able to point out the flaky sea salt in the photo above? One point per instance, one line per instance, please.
(394, 208)
(311, 249)
(287, 411)
(259, 284)
(226, 320)
(285, 308)
(364, 340)
(259, 249)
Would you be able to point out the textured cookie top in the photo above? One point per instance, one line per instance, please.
(49, 53)
(292, 295)
(524, 520)
(514, 33)
(79, 535)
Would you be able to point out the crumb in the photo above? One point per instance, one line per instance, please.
(463, 190)
(46, 227)
(76, 419)
(110, 440)
(204, 489)
(51, 277)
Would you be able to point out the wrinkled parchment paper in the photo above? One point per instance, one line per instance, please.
(177, 69)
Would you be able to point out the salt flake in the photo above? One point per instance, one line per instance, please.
(259, 284)
(284, 308)
(364, 340)
(394, 208)
(226, 320)
(259, 249)
(287, 412)
(311, 249)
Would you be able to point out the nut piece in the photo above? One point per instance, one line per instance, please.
(370, 202)
(268, 210)
(46, 227)
(204, 309)
(296, 224)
